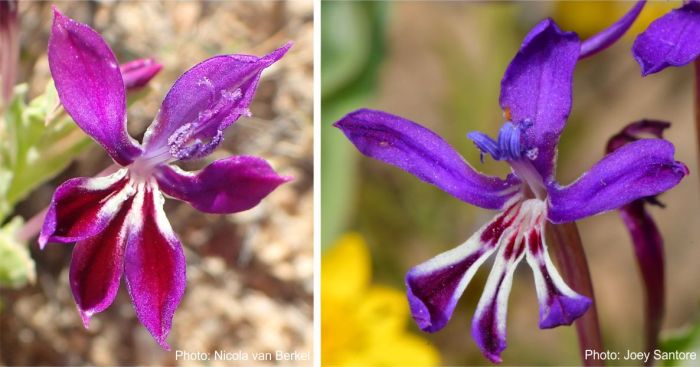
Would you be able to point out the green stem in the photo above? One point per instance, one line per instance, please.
(565, 244)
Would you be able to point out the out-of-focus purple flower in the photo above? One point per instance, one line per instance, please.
(118, 221)
(536, 95)
(672, 40)
(137, 73)
(646, 238)
(9, 48)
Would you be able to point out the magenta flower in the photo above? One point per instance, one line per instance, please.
(137, 73)
(536, 95)
(117, 221)
(672, 40)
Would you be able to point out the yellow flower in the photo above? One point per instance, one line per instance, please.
(364, 324)
(590, 17)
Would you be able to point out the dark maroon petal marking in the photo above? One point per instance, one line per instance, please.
(154, 267)
(74, 213)
(435, 286)
(559, 304)
(96, 267)
(430, 295)
(488, 324)
(495, 229)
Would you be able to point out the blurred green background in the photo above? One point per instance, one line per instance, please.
(440, 64)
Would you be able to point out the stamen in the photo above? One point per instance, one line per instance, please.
(507, 147)
(187, 141)
(485, 145)
(509, 141)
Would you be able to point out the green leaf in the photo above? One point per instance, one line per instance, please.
(16, 266)
(684, 341)
(41, 141)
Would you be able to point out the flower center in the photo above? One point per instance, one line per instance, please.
(511, 148)
(142, 169)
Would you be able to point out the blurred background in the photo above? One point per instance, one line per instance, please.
(249, 285)
(440, 64)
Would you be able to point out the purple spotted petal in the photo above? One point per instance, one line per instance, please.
(639, 169)
(610, 35)
(154, 265)
(90, 86)
(489, 321)
(97, 265)
(228, 185)
(83, 207)
(435, 286)
(559, 304)
(137, 73)
(672, 40)
(423, 153)
(203, 102)
(536, 90)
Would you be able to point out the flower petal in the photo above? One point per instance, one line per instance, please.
(672, 40)
(610, 35)
(559, 304)
(639, 169)
(83, 207)
(90, 86)
(203, 102)
(649, 250)
(423, 153)
(96, 266)
(435, 286)
(646, 237)
(137, 73)
(536, 90)
(489, 321)
(633, 131)
(228, 185)
(154, 266)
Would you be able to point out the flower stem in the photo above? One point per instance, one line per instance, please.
(32, 227)
(565, 245)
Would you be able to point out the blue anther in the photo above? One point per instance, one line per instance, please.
(509, 141)
(485, 145)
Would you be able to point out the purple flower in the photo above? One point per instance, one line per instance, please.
(672, 40)
(646, 237)
(118, 221)
(536, 95)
